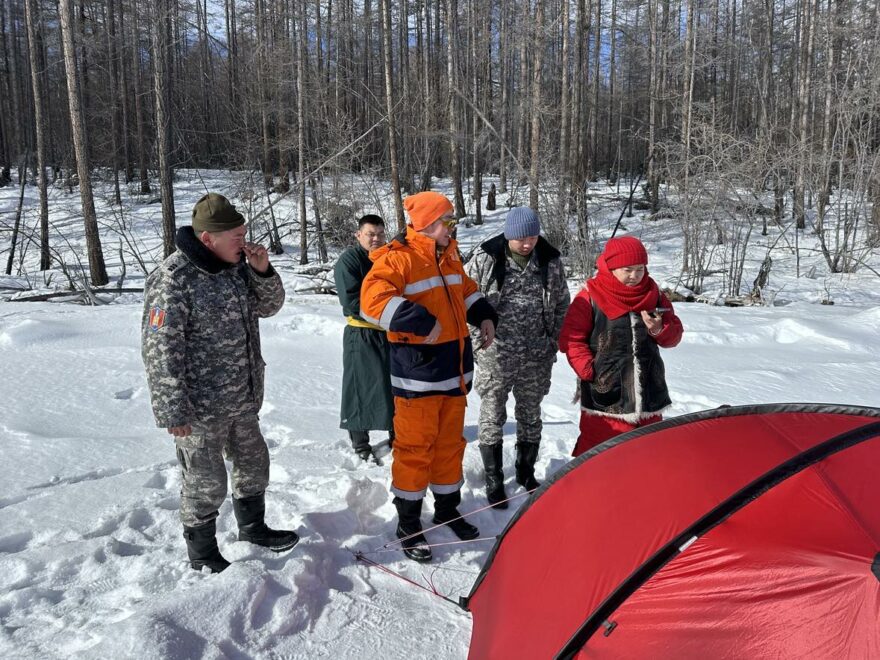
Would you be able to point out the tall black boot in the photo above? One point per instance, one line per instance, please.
(446, 513)
(526, 455)
(360, 442)
(250, 513)
(492, 464)
(409, 514)
(201, 547)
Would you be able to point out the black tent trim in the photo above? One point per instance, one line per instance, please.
(713, 518)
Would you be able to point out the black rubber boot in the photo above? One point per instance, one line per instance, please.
(492, 463)
(409, 515)
(446, 513)
(250, 513)
(360, 442)
(201, 547)
(526, 455)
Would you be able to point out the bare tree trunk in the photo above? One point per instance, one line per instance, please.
(475, 126)
(301, 131)
(124, 96)
(689, 252)
(653, 100)
(34, 22)
(575, 166)
(424, 40)
(389, 105)
(612, 144)
(454, 123)
(139, 107)
(319, 231)
(164, 127)
(537, 85)
(504, 58)
(16, 223)
(827, 123)
(565, 103)
(522, 118)
(114, 100)
(5, 101)
(261, 22)
(231, 52)
(593, 151)
(808, 30)
(97, 270)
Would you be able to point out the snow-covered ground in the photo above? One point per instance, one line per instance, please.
(92, 562)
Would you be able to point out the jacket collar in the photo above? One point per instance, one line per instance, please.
(544, 252)
(194, 250)
(415, 241)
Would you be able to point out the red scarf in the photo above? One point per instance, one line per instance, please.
(615, 298)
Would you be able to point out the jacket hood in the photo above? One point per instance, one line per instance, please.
(544, 252)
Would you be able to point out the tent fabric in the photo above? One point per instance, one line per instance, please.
(602, 563)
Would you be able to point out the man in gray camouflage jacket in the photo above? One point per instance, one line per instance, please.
(201, 349)
(522, 277)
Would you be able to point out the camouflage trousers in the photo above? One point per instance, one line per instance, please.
(497, 377)
(203, 470)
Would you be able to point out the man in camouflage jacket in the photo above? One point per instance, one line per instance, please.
(201, 350)
(522, 277)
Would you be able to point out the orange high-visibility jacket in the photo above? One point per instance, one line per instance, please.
(406, 291)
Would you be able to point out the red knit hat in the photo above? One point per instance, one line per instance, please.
(624, 251)
(426, 207)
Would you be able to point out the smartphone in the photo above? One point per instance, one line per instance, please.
(659, 311)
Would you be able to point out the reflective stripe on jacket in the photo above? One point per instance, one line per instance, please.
(410, 288)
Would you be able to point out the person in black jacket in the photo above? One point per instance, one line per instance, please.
(367, 402)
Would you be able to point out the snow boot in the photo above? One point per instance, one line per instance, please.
(250, 514)
(492, 464)
(360, 442)
(446, 513)
(409, 513)
(526, 455)
(201, 547)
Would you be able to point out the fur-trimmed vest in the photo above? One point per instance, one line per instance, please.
(629, 379)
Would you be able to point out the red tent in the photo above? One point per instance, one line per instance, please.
(748, 532)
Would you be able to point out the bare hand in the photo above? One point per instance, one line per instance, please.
(653, 323)
(434, 335)
(487, 333)
(257, 256)
(180, 431)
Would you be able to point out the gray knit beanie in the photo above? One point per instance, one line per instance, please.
(521, 222)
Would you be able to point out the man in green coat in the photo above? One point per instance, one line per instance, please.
(367, 403)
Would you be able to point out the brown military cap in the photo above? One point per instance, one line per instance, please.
(214, 213)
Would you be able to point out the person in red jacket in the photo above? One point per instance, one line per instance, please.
(417, 291)
(611, 335)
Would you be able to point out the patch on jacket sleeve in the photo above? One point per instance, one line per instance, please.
(157, 318)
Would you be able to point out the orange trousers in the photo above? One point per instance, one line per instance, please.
(428, 445)
(596, 429)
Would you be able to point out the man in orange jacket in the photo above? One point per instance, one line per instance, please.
(419, 293)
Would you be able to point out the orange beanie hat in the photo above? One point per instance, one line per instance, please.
(426, 207)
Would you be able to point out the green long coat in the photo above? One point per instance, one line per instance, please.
(367, 403)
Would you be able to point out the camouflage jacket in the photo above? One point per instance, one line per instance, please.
(201, 337)
(530, 303)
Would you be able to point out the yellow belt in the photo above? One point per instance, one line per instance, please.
(357, 323)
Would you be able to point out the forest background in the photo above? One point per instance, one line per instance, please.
(726, 116)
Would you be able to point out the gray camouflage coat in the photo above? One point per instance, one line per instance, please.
(531, 304)
(201, 336)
